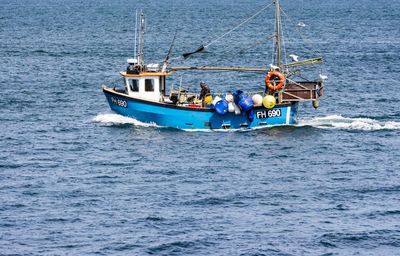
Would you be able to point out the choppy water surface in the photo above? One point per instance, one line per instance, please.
(76, 179)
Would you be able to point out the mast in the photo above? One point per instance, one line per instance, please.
(278, 33)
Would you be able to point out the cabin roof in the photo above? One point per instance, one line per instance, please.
(123, 73)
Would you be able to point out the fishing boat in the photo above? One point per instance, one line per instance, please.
(144, 95)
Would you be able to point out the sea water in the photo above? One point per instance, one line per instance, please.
(77, 179)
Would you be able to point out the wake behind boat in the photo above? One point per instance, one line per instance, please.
(144, 95)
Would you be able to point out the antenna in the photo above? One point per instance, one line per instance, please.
(141, 33)
(135, 56)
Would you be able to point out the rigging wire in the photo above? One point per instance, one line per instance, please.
(230, 30)
(274, 44)
(240, 24)
(284, 43)
(243, 50)
(302, 36)
(295, 72)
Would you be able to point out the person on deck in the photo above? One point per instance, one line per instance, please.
(204, 94)
(204, 90)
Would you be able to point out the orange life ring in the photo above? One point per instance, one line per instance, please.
(272, 77)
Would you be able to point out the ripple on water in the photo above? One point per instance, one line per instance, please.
(77, 179)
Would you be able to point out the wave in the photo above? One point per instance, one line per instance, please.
(328, 122)
(346, 123)
(115, 119)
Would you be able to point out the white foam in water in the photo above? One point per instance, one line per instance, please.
(328, 122)
(115, 119)
(339, 122)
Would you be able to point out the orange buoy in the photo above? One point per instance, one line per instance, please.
(272, 78)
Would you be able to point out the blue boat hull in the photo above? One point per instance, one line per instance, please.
(181, 117)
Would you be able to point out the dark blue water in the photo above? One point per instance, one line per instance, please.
(76, 179)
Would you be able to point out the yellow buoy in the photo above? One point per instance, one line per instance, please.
(269, 101)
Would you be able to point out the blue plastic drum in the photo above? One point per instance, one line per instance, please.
(221, 107)
(237, 96)
(250, 115)
(246, 104)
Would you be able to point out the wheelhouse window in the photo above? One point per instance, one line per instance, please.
(134, 85)
(148, 85)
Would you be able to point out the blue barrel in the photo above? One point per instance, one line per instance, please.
(250, 115)
(246, 104)
(237, 96)
(221, 107)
